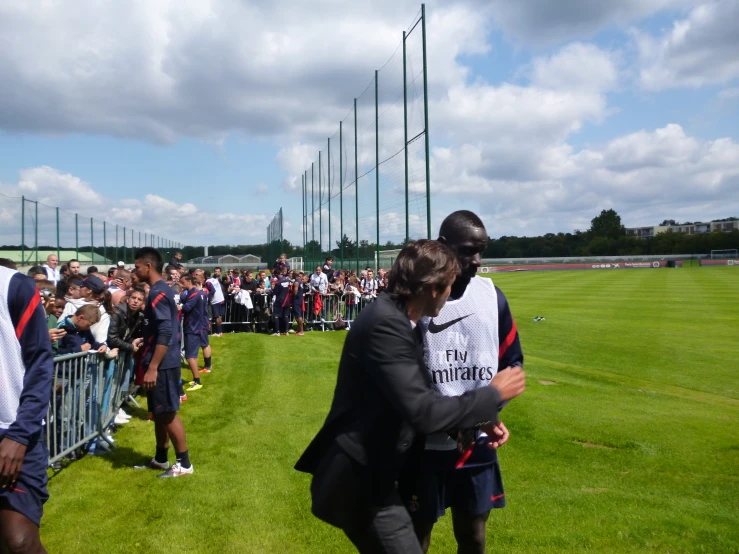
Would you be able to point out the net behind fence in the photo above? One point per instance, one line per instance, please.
(368, 189)
(31, 231)
(275, 245)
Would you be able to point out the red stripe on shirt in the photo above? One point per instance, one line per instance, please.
(465, 456)
(157, 299)
(27, 315)
(508, 340)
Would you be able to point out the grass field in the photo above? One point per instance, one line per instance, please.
(626, 440)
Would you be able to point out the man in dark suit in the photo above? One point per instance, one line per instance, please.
(383, 400)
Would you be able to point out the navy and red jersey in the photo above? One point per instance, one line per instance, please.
(300, 292)
(509, 345)
(27, 325)
(161, 325)
(194, 314)
(282, 291)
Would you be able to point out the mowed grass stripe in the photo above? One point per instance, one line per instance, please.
(632, 449)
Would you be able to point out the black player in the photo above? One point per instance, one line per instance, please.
(161, 361)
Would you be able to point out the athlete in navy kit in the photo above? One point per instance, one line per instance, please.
(161, 361)
(473, 338)
(194, 329)
(26, 374)
(298, 293)
(282, 303)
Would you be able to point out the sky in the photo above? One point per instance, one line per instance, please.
(195, 119)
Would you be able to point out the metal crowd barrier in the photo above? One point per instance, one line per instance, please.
(88, 390)
(259, 318)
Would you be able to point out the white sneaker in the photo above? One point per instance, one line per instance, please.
(120, 420)
(123, 414)
(176, 471)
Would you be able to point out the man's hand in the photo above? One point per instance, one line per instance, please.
(497, 434)
(117, 283)
(150, 378)
(103, 349)
(113, 353)
(56, 334)
(510, 382)
(85, 347)
(137, 344)
(11, 461)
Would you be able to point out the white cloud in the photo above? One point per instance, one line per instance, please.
(577, 66)
(646, 176)
(699, 50)
(543, 22)
(153, 214)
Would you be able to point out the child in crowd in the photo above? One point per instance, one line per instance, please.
(78, 337)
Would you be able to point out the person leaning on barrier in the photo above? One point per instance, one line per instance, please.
(26, 373)
(383, 400)
(126, 324)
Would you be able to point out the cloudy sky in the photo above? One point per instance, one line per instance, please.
(194, 119)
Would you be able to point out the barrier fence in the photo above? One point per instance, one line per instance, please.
(371, 185)
(88, 389)
(317, 316)
(30, 231)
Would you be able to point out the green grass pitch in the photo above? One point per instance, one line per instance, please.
(626, 440)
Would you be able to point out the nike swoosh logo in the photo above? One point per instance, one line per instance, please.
(434, 328)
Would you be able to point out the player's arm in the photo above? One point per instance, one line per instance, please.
(190, 302)
(29, 320)
(510, 353)
(391, 362)
(163, 325)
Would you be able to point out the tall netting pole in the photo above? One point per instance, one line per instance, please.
(76, 237)
(105, 245)
(426, 122)
(328, 165)
(341, 190)
(405, 134)
(23, 230)
(356, 184)
(35, 238)
(302, 206)
(58, 248)
(124, 245)
(92, 243)
(312, 214)
(377, 167)
(320, 209)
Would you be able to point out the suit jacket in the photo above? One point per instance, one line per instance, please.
(382, 400)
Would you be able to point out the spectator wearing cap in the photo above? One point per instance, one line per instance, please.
(93, 291)
(52, 268)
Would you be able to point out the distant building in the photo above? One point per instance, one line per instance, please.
(691, 229)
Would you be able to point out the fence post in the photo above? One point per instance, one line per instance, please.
(105, 244)
(320, 209)
(405, 134)
(377, 166)
(35, 236)
(341, 190)
(76, 237)
(92, 243)
(356, 185)
(328, 167)
(23, 230)
(124, 245)
(312, 215)
(116, 243)
(426, 123)
(58, 250)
